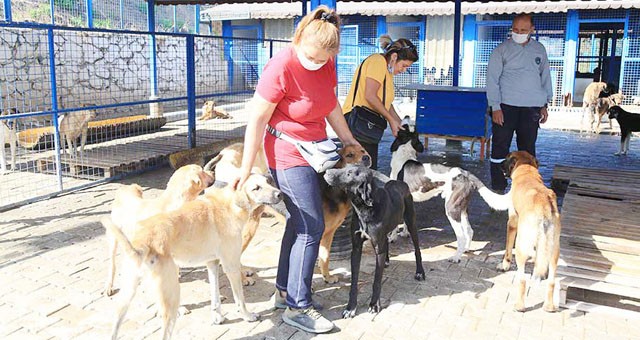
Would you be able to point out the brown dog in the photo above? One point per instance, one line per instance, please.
(535, 219)
(335, 203)
(130, 207)
(205, 231)
(75, 125)
(209, 111)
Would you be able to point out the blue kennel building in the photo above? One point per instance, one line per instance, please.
(585, 40)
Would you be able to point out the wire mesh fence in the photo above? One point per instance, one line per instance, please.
(104, 111)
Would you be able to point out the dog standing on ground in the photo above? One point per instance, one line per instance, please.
(206, 231)
(335, 203)
(379, 208)
(8, 135)
(75, 125)
(129, 206)
(427, 180)
(209, 111)
(534, 226)
(602, 106)
(629, 122)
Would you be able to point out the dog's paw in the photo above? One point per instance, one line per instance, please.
(250, 317)
(504, 266)
(218, 318)
(374, 307)
(109, 291)
(348, 313)
(330, 278)
(183, 311)
(519, 307)
(617, 153)
(246, 271)
(248, 281)
(420, 276)
(549, 307)
(392, 237)
(454, 259)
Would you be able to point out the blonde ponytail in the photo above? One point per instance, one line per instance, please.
(320, 28)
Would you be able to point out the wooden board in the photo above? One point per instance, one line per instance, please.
(600, 241)
(99, 131)
(612, 183)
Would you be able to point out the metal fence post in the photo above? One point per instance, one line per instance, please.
(90, 13)
(191, 91)
(175, 19)
(155, 108)
(196, 29)
(54, 105)
(121, 14)
(52, 8)
(7, 10)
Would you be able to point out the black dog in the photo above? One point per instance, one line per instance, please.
(629, 122)
(380, 208)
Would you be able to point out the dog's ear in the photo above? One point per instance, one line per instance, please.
(507, 166)
(417, 144)
(395, 145)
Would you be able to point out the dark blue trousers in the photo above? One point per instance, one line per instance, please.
(524, 121)
(302, 234)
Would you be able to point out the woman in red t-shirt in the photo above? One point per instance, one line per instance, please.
(296, 95)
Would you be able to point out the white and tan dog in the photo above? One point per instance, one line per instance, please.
(206, 231)
(209, 111)
(129, 206)
(8, 135)
(75, 125)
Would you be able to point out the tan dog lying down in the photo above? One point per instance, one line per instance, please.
(206, 231)
(129, 206)
(209, 111)
(534, 226)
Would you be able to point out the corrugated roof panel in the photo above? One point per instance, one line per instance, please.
(289, 10)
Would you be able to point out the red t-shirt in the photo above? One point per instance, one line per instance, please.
(305, 98)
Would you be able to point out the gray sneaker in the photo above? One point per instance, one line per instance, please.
(308, 320)
(279, 300)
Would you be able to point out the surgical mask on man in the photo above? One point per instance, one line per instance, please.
(519, 38)
(308, 64)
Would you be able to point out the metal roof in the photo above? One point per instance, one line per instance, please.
(292, 9)
(217, 2)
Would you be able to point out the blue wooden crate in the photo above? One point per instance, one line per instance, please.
(452, 111)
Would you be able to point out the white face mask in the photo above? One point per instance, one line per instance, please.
(519, 38)
(308, 64)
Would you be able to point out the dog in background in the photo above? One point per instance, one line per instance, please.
(129, 206)
(602, 106)
(380, 208)
(534, 225)
(205, 231)
(592, 93)
(427, 180)
(8, 135)
(75, 125)
(629, 122)
(209, 111)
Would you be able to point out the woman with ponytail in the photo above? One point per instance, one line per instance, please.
(294, 96)
(367, 91)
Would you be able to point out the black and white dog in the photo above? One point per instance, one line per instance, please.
(380, 206)
(629, 122)
(423, 179)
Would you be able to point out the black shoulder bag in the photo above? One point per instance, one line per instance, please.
(366, 125)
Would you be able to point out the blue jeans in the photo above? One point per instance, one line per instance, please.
(302, 234)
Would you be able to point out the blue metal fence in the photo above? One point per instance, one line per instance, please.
(52, 73)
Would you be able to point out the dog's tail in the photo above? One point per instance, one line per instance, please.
(544, 249)
(495, 201)
(122, 239)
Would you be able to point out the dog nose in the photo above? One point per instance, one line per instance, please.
(278, 195)
(366, 158)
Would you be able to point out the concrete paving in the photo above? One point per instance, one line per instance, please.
(53, 266)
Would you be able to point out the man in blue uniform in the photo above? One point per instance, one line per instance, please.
(518, 90)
